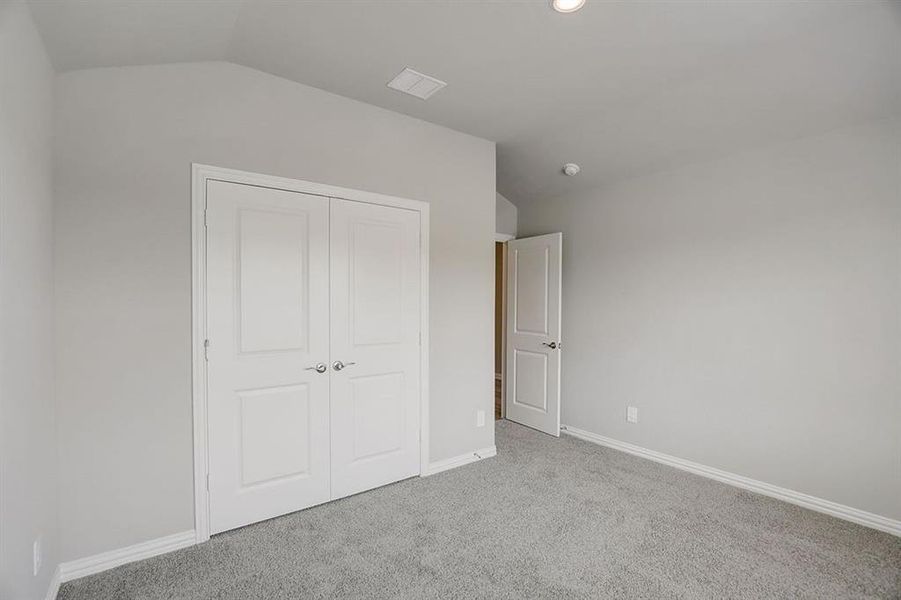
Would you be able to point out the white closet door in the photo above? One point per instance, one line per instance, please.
(375, 296)
(268, 314)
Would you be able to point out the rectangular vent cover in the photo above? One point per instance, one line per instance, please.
(416, 84)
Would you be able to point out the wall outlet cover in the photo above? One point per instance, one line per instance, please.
(37, 557)
(632, 414)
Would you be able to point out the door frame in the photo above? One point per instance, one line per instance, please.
(200, 174)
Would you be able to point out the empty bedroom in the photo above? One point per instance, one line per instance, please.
(402, 299)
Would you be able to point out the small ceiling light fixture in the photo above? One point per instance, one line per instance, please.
(571, 169)
(567, 6)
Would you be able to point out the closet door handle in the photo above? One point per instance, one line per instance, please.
(338, 365)
(319, 368)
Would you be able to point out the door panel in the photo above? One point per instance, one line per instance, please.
(376, 287)
(269, 421)
(530, 370)
(375, 296)
(534, 294)
(378, 412)
(268, 313)
(531, 276)
(272, 280)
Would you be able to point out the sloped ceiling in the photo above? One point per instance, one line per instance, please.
(622, 88)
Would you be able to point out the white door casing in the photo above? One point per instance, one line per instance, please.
(533, 349)
(268, 411)
(375, 329)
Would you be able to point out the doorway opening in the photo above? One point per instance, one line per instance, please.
(500, 323)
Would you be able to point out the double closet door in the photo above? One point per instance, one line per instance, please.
(313, 318)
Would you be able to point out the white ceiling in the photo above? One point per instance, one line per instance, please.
(621, 87)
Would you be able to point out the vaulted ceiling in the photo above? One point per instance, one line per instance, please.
(621, 87)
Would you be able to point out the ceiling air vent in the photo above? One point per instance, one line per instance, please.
(416, 84)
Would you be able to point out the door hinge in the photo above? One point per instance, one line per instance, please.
(207, 482)
(206, 350)
(204, 217)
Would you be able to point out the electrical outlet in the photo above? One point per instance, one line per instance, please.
(37, 558)
(480, 418)
(632, 414)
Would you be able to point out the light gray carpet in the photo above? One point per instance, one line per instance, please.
(547, 518)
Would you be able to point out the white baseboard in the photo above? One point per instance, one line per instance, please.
(459, 461)
(107, 560)
(828, 507)
(53, 588)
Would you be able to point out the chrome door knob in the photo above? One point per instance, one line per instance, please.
(319, 368)
(338, 365)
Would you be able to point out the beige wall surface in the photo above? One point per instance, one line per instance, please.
(28, 461)
(126, 138)
(507, 216)
(749, 308)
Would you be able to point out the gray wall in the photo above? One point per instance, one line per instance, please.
(28, 473)
(126, 138)
(507, 216)
(749, 308)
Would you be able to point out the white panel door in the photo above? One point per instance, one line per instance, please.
(268, 314)
(375, 285)
(534, 292)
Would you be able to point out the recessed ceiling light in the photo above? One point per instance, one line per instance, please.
(571, 169)
(567, 6)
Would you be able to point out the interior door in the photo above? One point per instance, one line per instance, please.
(534, 293)
(375, 307)
(268, 315)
